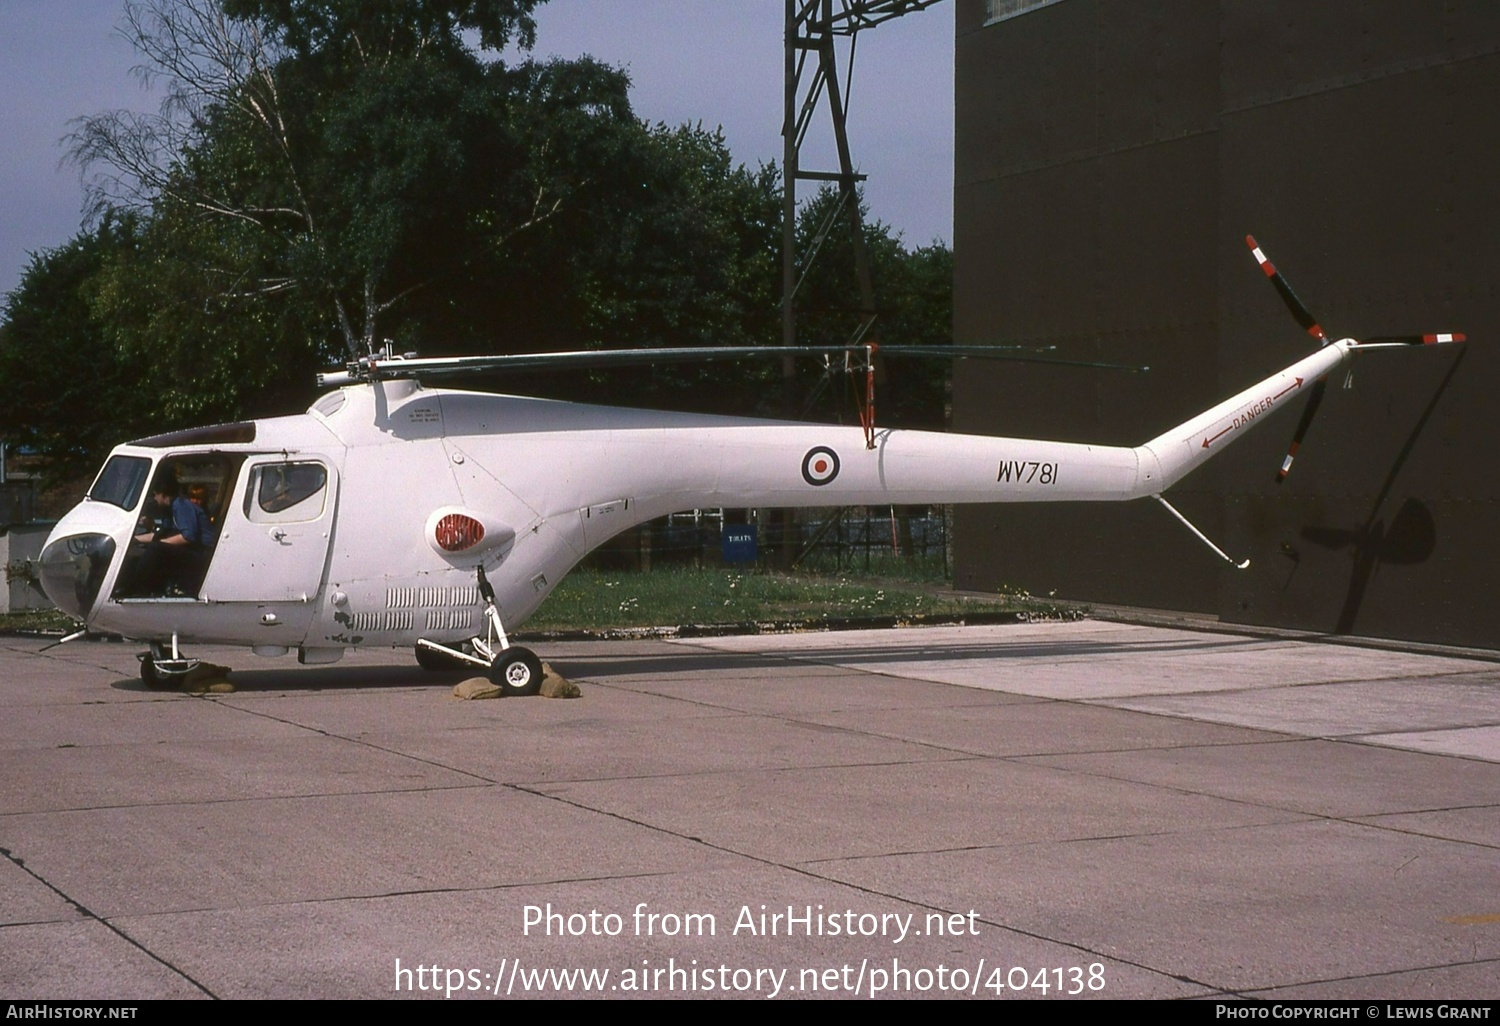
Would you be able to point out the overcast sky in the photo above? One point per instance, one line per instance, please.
(713, 61)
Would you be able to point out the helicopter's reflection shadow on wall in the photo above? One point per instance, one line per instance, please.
(1411, 537)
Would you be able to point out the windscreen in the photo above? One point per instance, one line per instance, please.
(121, 481)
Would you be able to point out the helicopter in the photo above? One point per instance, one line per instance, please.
(393, 513)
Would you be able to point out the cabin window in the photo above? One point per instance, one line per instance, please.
(121, 481)
(282, 493)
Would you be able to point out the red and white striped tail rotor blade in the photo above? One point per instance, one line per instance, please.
(1438, 339)
(1299, 310)
(1308, 413)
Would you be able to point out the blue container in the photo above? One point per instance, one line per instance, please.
(739, 543)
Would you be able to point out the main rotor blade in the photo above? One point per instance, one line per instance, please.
(371, 368)
(944, 352)
(1302, 313)
(1319, 387)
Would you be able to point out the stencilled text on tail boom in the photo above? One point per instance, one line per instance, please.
(1027, 472)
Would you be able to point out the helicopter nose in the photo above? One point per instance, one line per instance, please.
(73, 569)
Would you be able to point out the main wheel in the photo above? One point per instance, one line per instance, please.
(517, 671)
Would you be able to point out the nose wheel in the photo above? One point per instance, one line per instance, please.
(164, 667)
(165, 675)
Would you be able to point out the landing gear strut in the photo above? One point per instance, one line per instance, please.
(439, 662)
(514, 670)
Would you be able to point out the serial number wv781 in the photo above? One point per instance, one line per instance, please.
(1027, 472)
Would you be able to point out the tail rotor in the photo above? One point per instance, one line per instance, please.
(1310, 324)
(1312, 327)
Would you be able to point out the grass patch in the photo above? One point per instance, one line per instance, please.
(671, 597)
(38, 620)
(930, 570)
(596, 599)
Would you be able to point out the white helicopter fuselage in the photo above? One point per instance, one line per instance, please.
(362, 521)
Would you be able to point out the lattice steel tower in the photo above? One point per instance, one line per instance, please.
(811, 29)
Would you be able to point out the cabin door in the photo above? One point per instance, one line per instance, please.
(274, 539)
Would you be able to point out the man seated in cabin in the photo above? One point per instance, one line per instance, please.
(199, 497)
(178, 547)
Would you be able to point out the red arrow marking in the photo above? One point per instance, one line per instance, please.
(1215, 438)
(1284, 391)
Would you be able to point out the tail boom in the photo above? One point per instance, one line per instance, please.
(1178, 452)
(754, 463)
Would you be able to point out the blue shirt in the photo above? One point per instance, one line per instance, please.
(193, 522)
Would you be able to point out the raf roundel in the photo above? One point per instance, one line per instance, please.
(820, 465)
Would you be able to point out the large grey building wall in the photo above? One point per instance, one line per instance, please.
(1111, 157)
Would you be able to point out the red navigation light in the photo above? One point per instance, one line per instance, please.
(456, 532)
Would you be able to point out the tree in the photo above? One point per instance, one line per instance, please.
(680, 250)
(67, 393)
(373, 30)
(913, 298)
(328, 174)
(305, 181)
(334, 142)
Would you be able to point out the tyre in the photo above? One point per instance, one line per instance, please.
(517, 672)
(158, 680)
